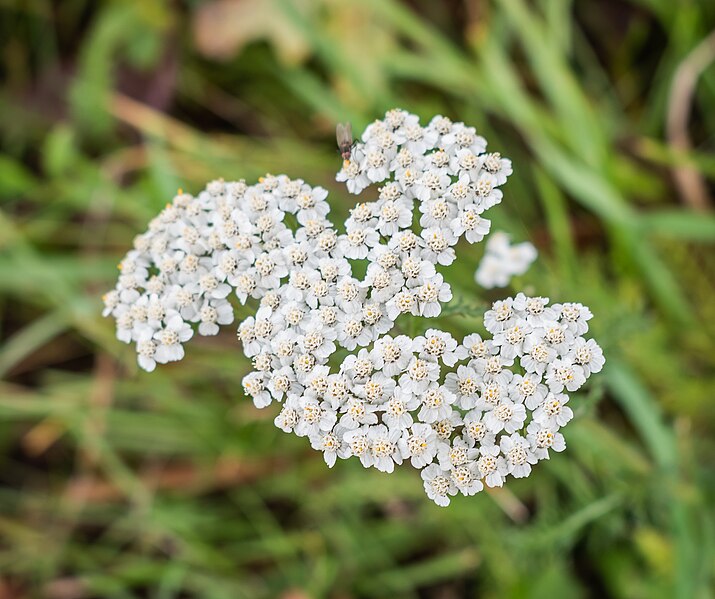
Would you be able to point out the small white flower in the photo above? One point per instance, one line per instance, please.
(535, 309)
(588, 355)
(555, 334)
(352, 331)
(438, 245)
(487, 466)
(475, 430)
(393, 216)
(438, 484)
(357, 412)
(417, 271)
(503, 261)
(493, 369)
(353, 176)
(458, 453)
(438, 212)
(404, 302)
(331, 443)
(111, 301)
(431, 295)
(374, 315)
(474, 228)
(466, 478)
(465, 384)
(417, 139)
(562, 374)
(397, 408)
(506, 416)
(356, 243)
(214, 313)
(314, 416)
(475, 346)
(436, 403)
(338, 390)
(544, 438)
(360, 367)
(499, 167)
(574, 316)
(492, 395)
(418, 376)
(125, 324)
(169, 339)
(395, 354)
(487, 193)
(317, 381)
(350, 295)
(255, 387)
(554, 412)
(500, 317)
(527, 389)
(518, 456)
(419, 444)
(466, 162)
(283, 382)
(375, 164)
(146, 350)
(383, 283)
(538, 354)
(247, 336)
(462, 137)
(287, 419)
(376, 389)
(383, 449)
(438, 345)
(358, 445)
(317, 340)
(511, 339)
(446, 426)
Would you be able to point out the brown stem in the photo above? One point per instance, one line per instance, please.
(689, 181)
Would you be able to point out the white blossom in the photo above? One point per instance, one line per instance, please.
(501, 401)
(554, 412)
(518, 456)
(383, 451)
(169, 339)
(543, 438)
(419, 444)
(502, 261)
(564, 373)
(438, 484)
(588, 355)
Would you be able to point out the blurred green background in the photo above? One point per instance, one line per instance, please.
(116, 483)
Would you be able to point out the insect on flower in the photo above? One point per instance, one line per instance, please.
(344, 135)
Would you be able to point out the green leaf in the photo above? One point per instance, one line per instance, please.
(643, 411)
(15, 179)
(679, 224)
(31, 338)
(59, 150)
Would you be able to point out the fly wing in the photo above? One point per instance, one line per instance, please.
(344, 134)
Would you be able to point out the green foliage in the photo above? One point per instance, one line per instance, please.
(121, 484)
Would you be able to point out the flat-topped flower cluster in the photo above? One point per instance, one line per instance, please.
(467, 413)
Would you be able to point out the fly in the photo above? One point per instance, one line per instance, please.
(344, 135)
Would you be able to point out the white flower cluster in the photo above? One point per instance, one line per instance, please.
(502, 261)
(391, 401)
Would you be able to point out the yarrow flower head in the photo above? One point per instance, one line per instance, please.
(502, 261)
(468, 413)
